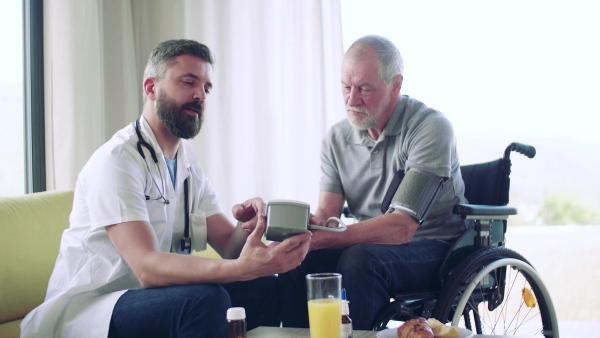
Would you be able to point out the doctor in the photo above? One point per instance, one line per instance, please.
(142, 203)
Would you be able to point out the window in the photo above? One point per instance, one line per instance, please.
(12, 172)
(506, 71)
(22, 98)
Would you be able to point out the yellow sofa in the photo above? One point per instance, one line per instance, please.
(30, 230)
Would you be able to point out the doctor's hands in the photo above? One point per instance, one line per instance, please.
(259, 259)
(249, 213)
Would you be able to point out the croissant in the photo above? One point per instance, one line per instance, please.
(415, 328)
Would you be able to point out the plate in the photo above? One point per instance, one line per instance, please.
(391, 333)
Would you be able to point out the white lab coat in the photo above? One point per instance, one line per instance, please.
(90, 275)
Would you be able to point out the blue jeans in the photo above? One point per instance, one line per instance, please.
(197, 310)
(371, 275)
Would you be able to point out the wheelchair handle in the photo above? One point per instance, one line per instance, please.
(524, 149)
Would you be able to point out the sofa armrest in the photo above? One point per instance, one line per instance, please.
(31, 227)
(11, 329)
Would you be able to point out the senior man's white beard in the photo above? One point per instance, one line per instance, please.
(361, 122)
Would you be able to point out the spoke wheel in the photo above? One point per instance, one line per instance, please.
(501, 292)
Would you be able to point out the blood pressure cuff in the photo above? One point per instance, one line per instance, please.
(412, 192)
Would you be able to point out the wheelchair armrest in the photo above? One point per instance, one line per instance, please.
(484, 211)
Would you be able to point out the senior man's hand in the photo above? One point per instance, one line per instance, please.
(249, 213)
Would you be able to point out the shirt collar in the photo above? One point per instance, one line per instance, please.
(185, 154)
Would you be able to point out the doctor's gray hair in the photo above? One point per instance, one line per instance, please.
(390, 60)
(164, 54)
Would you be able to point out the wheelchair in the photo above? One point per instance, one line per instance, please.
(484, 286)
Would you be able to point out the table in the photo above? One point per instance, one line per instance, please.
(288, 332)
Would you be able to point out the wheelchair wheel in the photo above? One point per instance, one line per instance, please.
(501, 292)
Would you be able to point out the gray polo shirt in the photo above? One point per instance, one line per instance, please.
(360, 169)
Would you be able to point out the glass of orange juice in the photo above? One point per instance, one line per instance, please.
(324, 293)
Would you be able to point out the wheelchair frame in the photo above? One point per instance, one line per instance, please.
(477, 257)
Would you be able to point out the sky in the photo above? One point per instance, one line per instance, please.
(498, 69)
(11, 65)
(11, 99)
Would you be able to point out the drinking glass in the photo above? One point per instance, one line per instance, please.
(324, 294)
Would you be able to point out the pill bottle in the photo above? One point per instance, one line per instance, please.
(346, 321)
(236, 322)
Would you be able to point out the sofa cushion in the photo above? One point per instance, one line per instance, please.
(11, 329)
(30, 230)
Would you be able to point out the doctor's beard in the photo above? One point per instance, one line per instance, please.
(174, 118)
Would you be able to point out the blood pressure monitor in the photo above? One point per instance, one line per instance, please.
(286, 218)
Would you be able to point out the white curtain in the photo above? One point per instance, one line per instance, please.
(276, 83)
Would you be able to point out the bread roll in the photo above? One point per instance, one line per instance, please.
(442, 331)
(415, 328)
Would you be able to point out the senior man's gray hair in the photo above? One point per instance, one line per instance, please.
(390, 60)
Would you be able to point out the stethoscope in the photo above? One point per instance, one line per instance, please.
(186, 241)
(141, 143)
